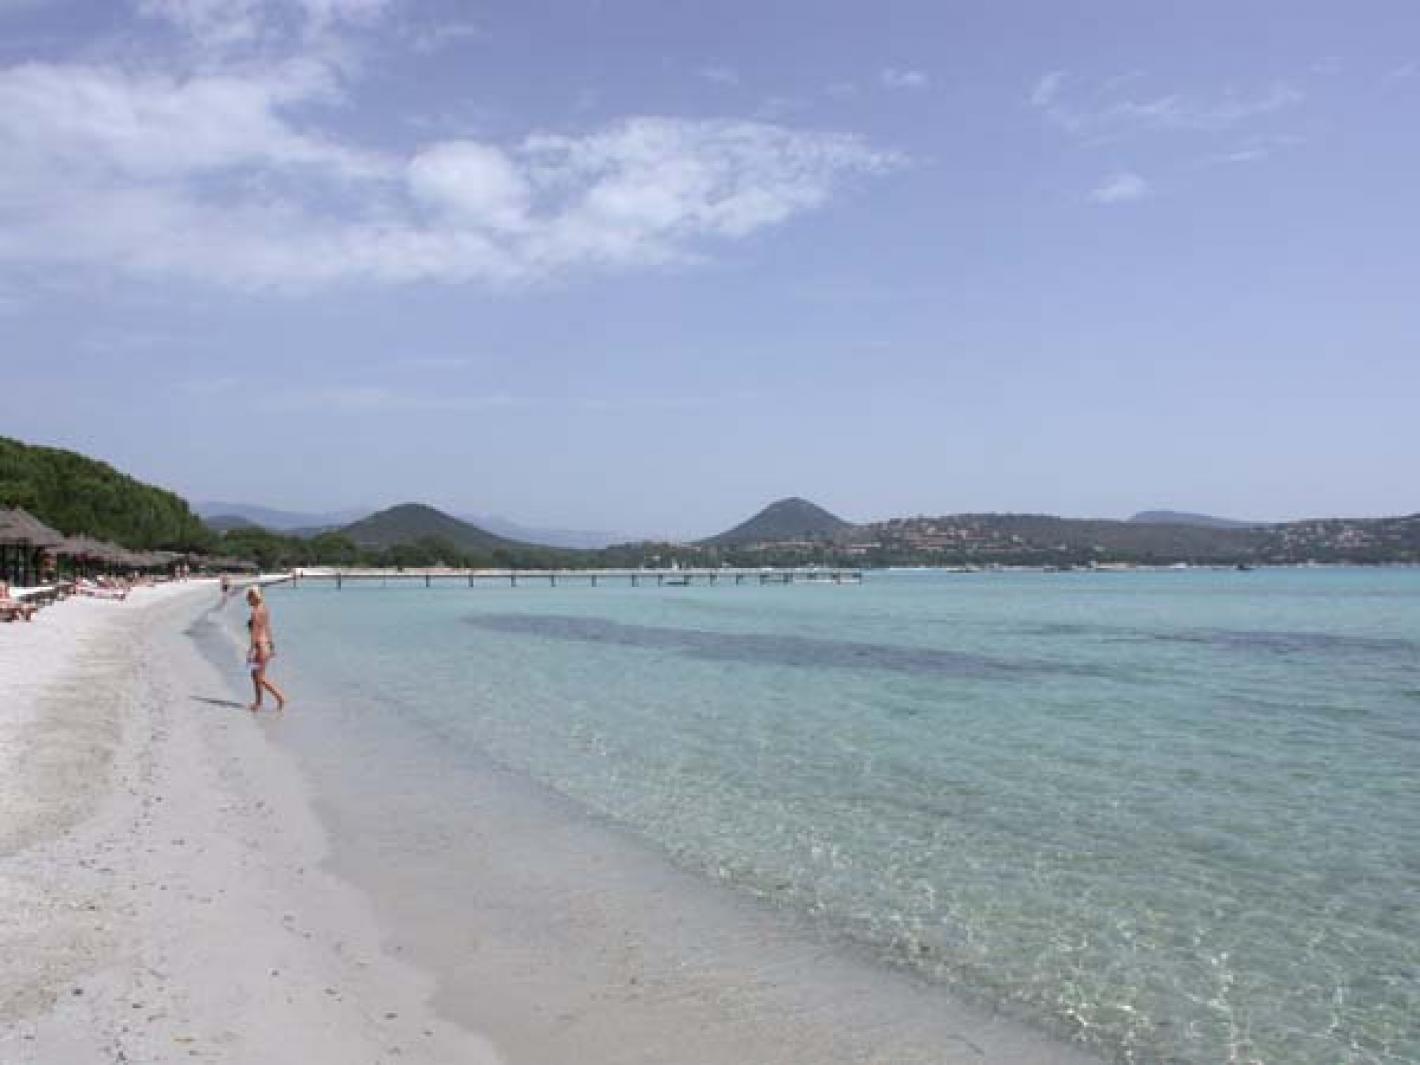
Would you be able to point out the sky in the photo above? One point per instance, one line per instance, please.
(647, 265)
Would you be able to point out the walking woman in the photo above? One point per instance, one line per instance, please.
(262, 650)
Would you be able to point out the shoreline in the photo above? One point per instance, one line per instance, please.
(568, 939)
(162, 890)
(198, 899)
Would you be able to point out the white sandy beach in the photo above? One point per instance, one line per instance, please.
(161, 897)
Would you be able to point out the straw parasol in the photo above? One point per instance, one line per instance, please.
(88, 549)
(85, 547)
(22, 536)
(19, 526)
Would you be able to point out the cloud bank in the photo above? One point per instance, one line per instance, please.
(213, 167)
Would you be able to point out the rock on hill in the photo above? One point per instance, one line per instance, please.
(411, 522)
(788, 519)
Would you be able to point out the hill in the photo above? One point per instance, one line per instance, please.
(785, 520)
(77, 494)
(1044, 539)
(1182, 517)
(276, 520)
(413, 522)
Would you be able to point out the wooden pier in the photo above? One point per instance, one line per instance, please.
(553, 578)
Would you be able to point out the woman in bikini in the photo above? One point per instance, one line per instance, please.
(262, 650)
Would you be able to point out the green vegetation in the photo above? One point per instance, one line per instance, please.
(75, 494)
(786, 520)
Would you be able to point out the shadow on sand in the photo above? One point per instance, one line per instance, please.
(229, 704)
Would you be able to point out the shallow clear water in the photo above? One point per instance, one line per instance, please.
(1175, 816)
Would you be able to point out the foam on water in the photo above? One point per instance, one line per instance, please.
(1171, 816)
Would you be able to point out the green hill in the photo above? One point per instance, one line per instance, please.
(413, 522)
(75, 494)
(785, 520)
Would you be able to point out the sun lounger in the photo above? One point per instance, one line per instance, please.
(100, 591)
(14, 605)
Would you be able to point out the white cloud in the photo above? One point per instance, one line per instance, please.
(227, 176)
(1107, 114)
(904, 79)
(1404, 71)
(1253, 151)
(720, 75)
(429, 39)
(101, 121)
(224, 24)
(475, 183)
(211, 178)
(643, 187)
(1123, 187)
(1243, 155)
(1047, 88)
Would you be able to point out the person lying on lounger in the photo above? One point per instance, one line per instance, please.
(102, 588)
(11, 608)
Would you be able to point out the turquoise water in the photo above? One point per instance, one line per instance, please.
(1172, 816)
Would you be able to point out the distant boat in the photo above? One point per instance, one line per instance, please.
(1245, 568)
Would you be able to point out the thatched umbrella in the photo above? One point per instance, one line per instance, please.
(22, 537)
(81, 549)
(87, 549)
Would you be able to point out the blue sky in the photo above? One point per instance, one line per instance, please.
(649, 265)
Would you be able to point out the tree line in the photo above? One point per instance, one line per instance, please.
(79, 495)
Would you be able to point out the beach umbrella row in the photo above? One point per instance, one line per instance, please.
(23, 538)
(87, 549)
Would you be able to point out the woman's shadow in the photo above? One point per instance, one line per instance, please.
(226, 704)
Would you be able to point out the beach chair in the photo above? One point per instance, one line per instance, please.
(12, 607)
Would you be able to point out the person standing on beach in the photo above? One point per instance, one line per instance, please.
(262, 650)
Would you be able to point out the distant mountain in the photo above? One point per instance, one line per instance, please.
(785, 520)
(1181, 517)
(574, 538)
(410, 522)
(277, 520)
(227, 522)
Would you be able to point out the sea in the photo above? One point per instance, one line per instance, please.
(1161, 817)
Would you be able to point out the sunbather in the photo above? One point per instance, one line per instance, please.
(12, 608)
(102, 588)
